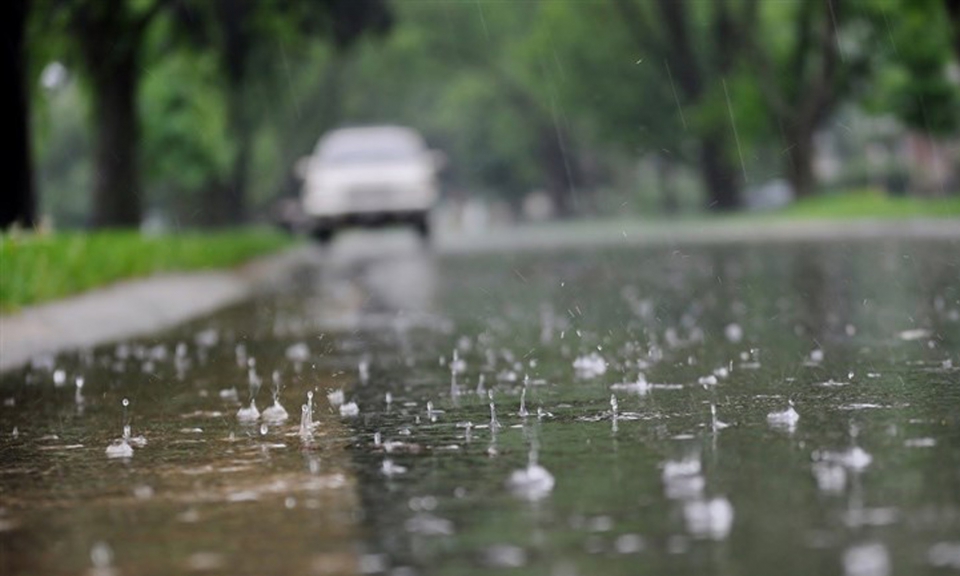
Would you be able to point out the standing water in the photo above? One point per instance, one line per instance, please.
(815, 471)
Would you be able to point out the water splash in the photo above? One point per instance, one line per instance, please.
(276, 413)
(683, 479)
(533, 482)
(523, 413)
(240, 352)
(871, 559)
(457, 365)
(388, 468)
(251, 413)
(708, 380)
(363, 370)
(78, 395)
(945, 555)
(101, 557)
(481, 390)
(349, 409)
(252, 366)
(854, 459)
(297, 353)
(432, 413)
(711, 518)
(715, 424)
(831, 477)
(181, 362)
(733, 332)
(590, 366)
(335, 397)
(786, 419)
(494, 423)
(640, 387)
(306, 417)
(123, 447)
(454, 387)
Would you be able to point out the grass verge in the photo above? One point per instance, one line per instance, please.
(869, 203)
(39, 267)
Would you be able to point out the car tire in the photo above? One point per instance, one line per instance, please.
(323, 235)
(422, 225)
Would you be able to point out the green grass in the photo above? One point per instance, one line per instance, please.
(40, 267)
(871, 204)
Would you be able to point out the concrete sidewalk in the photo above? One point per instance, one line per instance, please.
(135, 307)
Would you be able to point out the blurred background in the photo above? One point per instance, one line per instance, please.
(163, 114)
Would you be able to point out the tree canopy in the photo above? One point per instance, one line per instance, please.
(216, 101)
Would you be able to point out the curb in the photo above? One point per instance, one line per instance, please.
(135, 307)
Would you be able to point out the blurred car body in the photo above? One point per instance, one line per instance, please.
(369, 176)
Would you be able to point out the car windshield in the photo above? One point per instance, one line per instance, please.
(369, 145)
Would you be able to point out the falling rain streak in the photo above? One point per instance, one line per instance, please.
(733, 124)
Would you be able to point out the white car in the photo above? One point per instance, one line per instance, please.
(369, 176)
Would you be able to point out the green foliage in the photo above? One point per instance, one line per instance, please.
(186, 144)
(41, 267)
(601, 74)
(490, 83)
(913, 82)
(871, 203)
(453, 70)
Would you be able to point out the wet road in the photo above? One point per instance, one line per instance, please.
(787, 407)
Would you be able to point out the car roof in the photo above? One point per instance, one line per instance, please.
(381, 138)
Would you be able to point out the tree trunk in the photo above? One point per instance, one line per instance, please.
(953, 13)
(235, 50)
(116, 195)
(720, 176)
(559, 170)
(21, 205)
(799, 169)
(236, 190)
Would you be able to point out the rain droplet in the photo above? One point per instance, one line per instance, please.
(101, 555)
(494, 424)
(523, 404)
